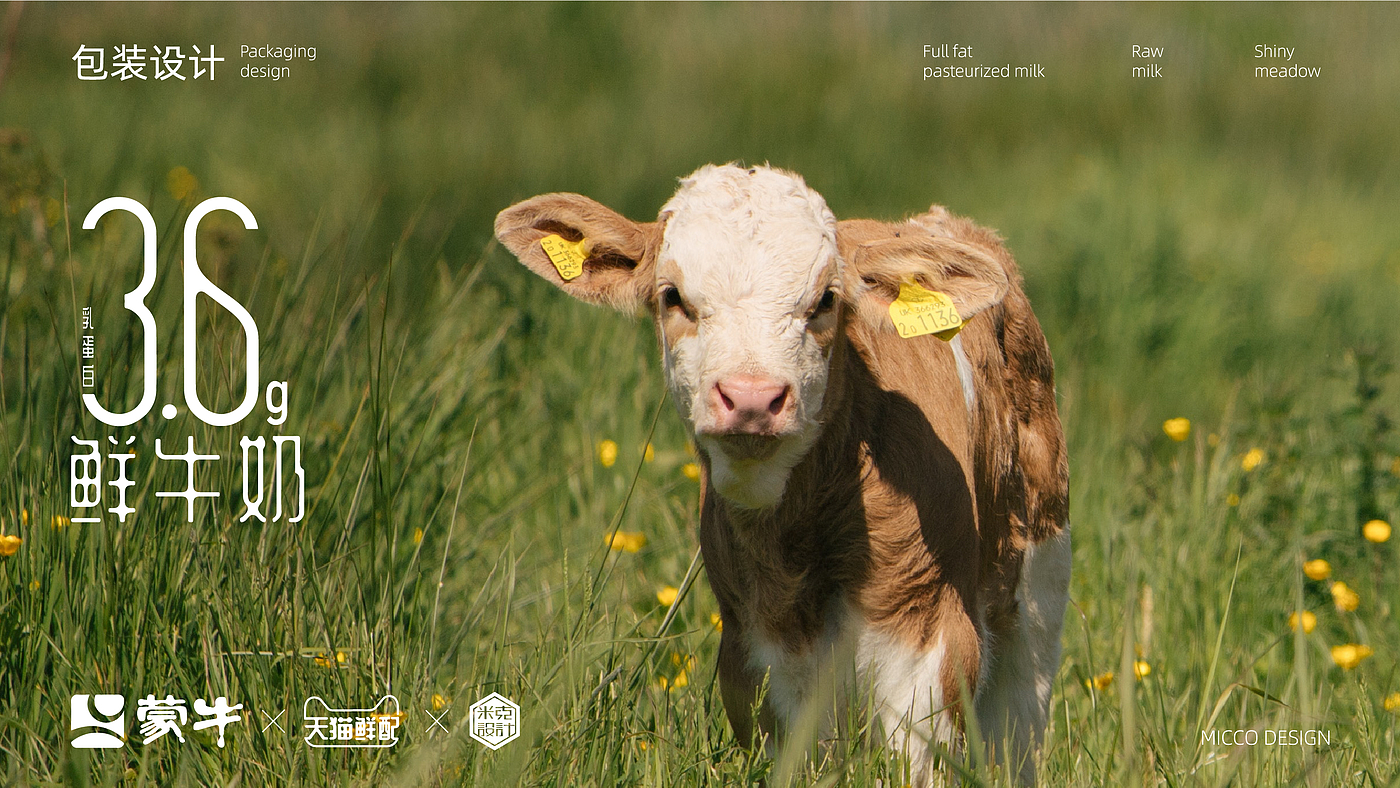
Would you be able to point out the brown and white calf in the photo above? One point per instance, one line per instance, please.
(905, 497)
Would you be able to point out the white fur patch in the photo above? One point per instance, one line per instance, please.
(907, 685)
(1043, 595)
(964, 374)
(793, 675)
(754, 484)
(788, 675)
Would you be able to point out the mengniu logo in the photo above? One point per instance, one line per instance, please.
(112, 733)
(157, 718)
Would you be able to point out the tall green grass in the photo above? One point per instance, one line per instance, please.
(1207, 246)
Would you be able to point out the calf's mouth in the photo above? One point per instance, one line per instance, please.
(747, 445)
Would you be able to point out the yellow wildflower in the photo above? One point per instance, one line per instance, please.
(1100, 682)
(648, 454)
(180, 182)
(667, 595)
(1252, 459)
(627, 541)
(1392, 701)
(683, 661)
(1178, 429)
(1309, 621)
(418, 536)
(691, 471)
(438, 701)
(1232, 500)
(1317, 569)
(59, 521)
(330, 662)
(681, 680)
(1376, 531)
(9, 545)
(717, 622)
(1344, 597)
(34, 585)
(24, 514)
(1141, 669)
(607, 453)
(1350, 655)
(663, 682)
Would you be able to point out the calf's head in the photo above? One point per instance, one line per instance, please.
(742, 274)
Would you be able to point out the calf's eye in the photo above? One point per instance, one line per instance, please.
(827, 303)
(671, 299)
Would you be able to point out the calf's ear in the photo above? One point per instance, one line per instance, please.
(969, 275)
(614, 250)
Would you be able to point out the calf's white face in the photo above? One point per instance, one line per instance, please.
(747, 288)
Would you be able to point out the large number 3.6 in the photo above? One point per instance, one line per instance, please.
(196, 283)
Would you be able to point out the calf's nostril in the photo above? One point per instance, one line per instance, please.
(724, 398)
(776, 406)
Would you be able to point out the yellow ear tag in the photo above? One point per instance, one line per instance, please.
(567, 256)
(918, 311)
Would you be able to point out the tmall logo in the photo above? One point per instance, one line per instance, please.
(113, 710)
(377, 726)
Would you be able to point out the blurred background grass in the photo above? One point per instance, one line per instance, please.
(1208, 245)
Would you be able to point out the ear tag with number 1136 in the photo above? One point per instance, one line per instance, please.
(567, 256)
(918, 311)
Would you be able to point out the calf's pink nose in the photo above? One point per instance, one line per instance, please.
(748, 403)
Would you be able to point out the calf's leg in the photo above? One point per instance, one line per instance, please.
(1013, 703)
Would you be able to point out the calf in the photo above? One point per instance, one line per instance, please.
(902, 501)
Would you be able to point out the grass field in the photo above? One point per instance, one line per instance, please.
(1209, 247)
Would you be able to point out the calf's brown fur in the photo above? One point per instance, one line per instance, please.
(912, 512)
